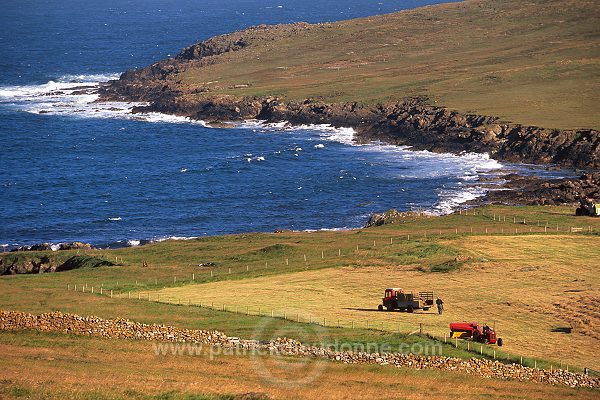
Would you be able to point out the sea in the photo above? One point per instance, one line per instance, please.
(72, 169)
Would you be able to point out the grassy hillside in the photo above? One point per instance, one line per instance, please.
(533, 284)
(534, 62)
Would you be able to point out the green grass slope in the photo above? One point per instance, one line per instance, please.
(533, 63)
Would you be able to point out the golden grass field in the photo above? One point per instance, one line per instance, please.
(45, 366)
(527, 286)
(533, 63)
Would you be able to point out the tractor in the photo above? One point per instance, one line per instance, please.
(588, 207)
(472, 330)
(396, 299)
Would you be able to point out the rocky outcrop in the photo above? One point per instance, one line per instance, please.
(55, 247)
(37, 264)
(125, 329)
(537, 191)
(389, 217)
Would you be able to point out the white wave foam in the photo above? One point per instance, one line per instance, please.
(162, 239)
(76, 95)
(328, 132)
(167, 118)
(133, 242)
(79, 78)
(114, 219)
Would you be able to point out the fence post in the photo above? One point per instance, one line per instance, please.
(193, 276)
(229, 270)
(92, 289)
(287, 261)
(129, 295)
(100, 289)
(211, 273)
(68, 286)
(248, 267)
(111, 294)
(322, 254)
(339, 252)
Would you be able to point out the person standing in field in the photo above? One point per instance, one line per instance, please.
(440, 305)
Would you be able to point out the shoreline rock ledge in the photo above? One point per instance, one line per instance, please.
(408, 121)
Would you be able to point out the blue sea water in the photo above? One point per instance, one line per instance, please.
(74, 170)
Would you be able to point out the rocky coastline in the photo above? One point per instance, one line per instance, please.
(411, 121)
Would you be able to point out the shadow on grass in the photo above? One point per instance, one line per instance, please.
(383, 312)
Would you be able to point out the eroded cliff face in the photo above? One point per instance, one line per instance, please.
(411, 121)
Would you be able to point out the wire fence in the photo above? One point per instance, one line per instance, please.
(130, 291)
(477, 349)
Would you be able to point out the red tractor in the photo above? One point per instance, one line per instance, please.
(472, 330)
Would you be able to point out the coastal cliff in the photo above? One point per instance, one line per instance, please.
(180, 85)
